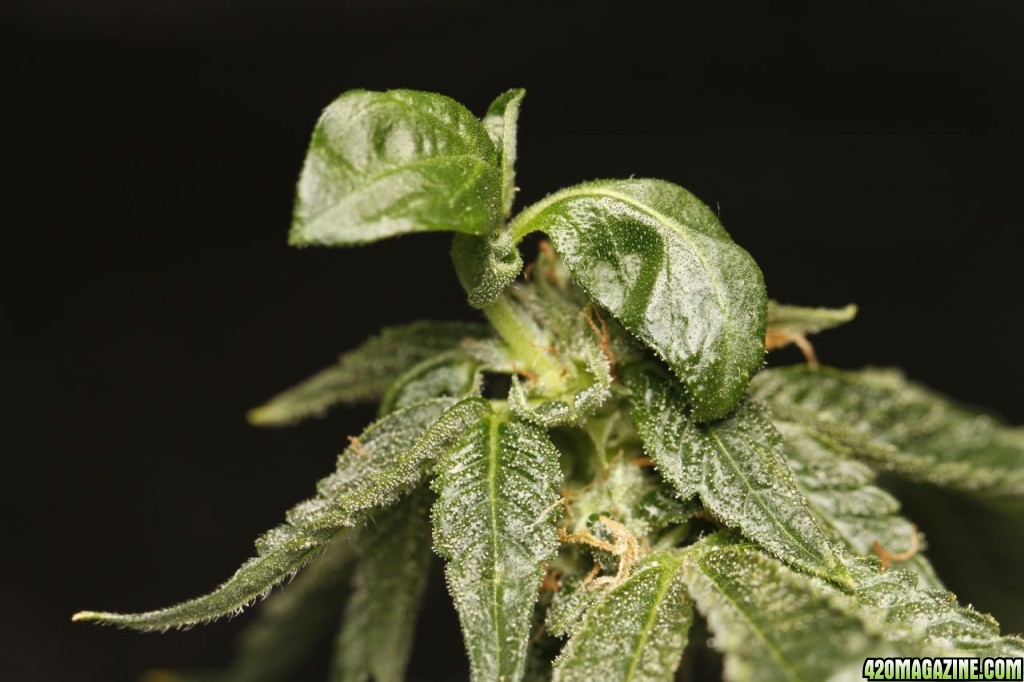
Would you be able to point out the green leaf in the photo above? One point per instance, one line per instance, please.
(637, 631)
(736, 466)
(453, 374)
(494, 523)
(568, 604)
(288, 624)
(253, 580)
(575, 377)
(772, 623)
(585, 392)
(659, 260)
(617, 491)
(376, 638)
(486, 266)
(501, 124)
(388, 163)
(365, 373)
(926, 620)
(389, 460)
(391, 457)
(798, 320)
(900, 426)
(843, 499)
(775, 624)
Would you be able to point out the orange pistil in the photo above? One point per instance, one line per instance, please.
(358, 448)
(888, 557)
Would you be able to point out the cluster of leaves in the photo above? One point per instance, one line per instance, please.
(642, 469)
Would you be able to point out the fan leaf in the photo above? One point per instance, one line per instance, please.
(842, 497)
(659, 260)
(773, 623)
(389, 459)
(900, 426)
(925, 619)
(365, 373)
(736, 466)
(376, 638)
(494, 523)
(387, 163)
(453, 374)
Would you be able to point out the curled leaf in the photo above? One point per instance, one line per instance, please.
(660, 261)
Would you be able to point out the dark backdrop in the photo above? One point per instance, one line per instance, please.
(870, 152)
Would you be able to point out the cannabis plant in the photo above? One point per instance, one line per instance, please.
(605, 462)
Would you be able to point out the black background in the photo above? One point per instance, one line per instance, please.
(869, 152)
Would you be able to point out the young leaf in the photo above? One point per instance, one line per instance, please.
(899, 425)
(843, 499)
(736, 466)
(798, 320)
(387, 163)
(772, 623)
(636, 632)
(388, 459)
(619, 490)
(486, 266)
(365, 373)
(451, 374)
(568, 604)
(494, 523)
(500, 123)
(790, 324)
(556, 327)
(660, 261)
(376, 635)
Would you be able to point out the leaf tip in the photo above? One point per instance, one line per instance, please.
(264, 415)
(86, 616)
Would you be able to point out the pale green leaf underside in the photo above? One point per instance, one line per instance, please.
(376, 637)
(737, 468)
(501, 123)
(800, 320)
(365, 373)
(386, 163)
(843, 498)
(659, 260)
(391, 457)
(494, 523)
(899, 425)
(636, 632)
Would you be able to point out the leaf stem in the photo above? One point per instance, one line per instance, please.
(515, 331)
